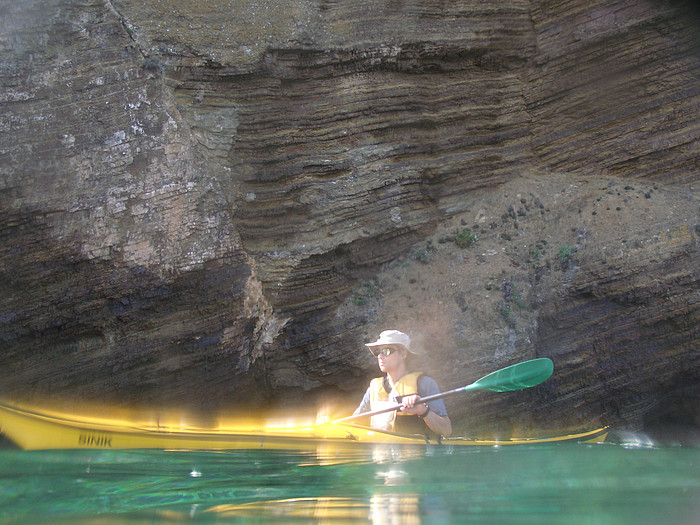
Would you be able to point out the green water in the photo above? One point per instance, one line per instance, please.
(577, 484)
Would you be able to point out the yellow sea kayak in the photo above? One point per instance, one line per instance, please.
(32, 428)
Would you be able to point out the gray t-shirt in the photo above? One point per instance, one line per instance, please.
(426, 387)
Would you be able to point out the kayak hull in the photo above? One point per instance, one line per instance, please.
(35, 429)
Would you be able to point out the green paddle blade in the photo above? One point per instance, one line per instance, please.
(516, 377)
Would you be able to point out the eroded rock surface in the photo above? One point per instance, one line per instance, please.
(192, 193)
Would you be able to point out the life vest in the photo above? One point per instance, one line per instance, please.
(395, 420)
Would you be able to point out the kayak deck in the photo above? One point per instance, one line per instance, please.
(42, 429)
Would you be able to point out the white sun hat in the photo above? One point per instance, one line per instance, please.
(393, 337)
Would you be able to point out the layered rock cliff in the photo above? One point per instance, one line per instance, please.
(202, 201)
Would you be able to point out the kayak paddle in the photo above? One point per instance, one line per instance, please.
(514, 377)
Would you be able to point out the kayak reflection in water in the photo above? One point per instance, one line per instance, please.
(400, 386)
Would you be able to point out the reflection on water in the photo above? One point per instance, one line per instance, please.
(602, 484)
(396, 507)
(306, 509)
(382, 508)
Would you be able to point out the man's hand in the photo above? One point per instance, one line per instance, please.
(412, 405)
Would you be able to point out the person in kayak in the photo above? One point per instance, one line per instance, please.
(400, 386)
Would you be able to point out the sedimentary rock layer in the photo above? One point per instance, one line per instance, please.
(190, 190)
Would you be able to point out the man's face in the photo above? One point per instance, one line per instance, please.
(388, 357)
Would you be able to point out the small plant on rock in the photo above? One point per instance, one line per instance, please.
(465, 237)
(565, 253)
(366, 290)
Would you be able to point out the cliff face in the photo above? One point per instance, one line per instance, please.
(192, 190)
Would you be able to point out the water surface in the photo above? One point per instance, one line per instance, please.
(541, 484)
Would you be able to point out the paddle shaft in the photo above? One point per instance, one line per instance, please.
(391, 408)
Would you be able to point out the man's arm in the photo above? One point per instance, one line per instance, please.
(441, 425)
(364, 404)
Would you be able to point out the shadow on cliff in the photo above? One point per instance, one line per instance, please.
(103, 331)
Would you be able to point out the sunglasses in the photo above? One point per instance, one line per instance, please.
(376, 352)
